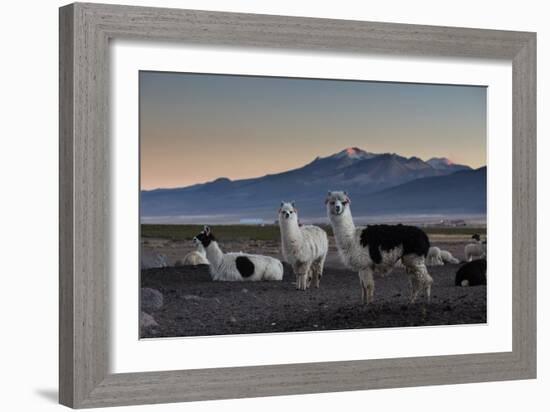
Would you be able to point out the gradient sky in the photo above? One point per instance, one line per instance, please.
(197, 127)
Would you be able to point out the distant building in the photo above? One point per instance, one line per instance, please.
(451, 223)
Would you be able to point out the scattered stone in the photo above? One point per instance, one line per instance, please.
(147, 321)
(151, 260)
(151, 299)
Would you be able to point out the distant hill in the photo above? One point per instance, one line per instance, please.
(372, 180)
(460, 192)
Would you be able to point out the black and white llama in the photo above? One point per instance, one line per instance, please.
(476, 250)
(238, 266)
(473, 273)
(377, 248)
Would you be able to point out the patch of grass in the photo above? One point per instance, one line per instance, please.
(466, 230)
(222, 232)
(267, 232)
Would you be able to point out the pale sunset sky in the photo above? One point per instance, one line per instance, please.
(198, 127)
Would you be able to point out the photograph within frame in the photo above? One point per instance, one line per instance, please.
(217, 151)
(85, 377)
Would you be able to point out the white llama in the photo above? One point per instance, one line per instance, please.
(476, 250)
(304, 247)
(447, 257)
(196, 257)
(434, 257)
(376, 248)
(238, 266)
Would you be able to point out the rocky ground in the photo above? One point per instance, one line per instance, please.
(192, 305)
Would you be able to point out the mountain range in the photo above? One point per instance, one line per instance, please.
(377, 184)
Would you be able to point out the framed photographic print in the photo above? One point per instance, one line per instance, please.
(244, 196)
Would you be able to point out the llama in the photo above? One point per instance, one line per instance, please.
(376, 248)
(434, 257)
(473, 273)
(477, 250)
(438, 257)
(196, 257)
(447, 257)
(238, 266)
(304, 247)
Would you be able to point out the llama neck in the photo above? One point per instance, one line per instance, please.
(291, 231)
(201, 250)
(344, 229)
(214, 254)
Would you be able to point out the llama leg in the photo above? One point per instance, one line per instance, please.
(419, 276)
(317, 270)
(295, 269)
(363, 289)
(302, 272)
(370, 287)
(367, 286)
(310, 275)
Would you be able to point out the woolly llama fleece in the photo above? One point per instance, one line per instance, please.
(377, 248)
(304, 247)
(238, 266)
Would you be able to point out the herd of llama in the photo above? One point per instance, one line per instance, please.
(368, 250)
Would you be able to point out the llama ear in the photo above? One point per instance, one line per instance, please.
(329, 193)
(282, 203)
(293, 203)
(206, 230)
(345, 193)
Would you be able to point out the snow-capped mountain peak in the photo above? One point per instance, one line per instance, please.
(440, 162)
(353, 153)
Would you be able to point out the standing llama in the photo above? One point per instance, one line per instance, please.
(238, 266)
(377, 248)
(304, 247)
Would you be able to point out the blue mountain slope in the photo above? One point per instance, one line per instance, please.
(357, 171)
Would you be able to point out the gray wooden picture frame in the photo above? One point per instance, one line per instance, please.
(85, 32)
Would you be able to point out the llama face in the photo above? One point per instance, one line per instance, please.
(337, 203)
(205, 237)
(288, 212)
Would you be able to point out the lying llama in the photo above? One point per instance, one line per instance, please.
(377, 248)
(434, 257)
(196, 257)
(473, 273)
(477, 250)
(447, 257)
(438, 257)
(304, 247)
(238, 266)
